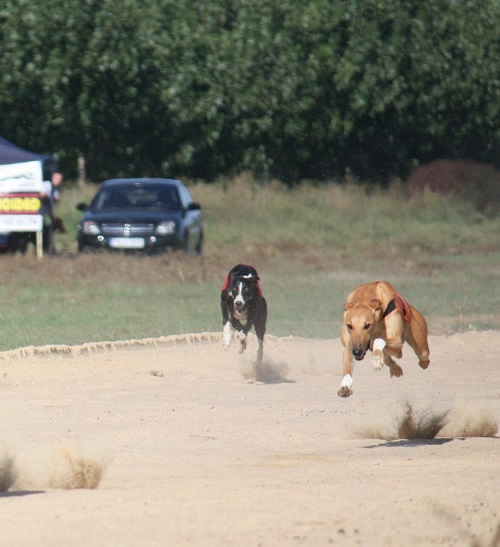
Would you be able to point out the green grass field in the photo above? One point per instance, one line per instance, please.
(311, 245)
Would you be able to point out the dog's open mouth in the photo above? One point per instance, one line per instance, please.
(240, 311)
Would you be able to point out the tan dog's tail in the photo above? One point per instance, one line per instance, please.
(417, 337)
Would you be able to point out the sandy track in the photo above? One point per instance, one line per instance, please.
(177, 444)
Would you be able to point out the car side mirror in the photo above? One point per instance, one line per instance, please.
(81, 206)
(194, 206)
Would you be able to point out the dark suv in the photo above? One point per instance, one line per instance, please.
(143, 214)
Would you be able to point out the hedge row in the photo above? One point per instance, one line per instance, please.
(290, 89)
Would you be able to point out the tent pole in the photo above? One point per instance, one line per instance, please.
(39, 247)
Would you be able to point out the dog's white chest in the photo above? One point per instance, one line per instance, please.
(240, 316)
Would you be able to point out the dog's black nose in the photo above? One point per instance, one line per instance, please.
(357, 352)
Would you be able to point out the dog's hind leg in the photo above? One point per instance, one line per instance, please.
(394, 368)
(417, 338)
(260, 330)
(260, 352)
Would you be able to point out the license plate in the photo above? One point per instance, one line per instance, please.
(127, 243)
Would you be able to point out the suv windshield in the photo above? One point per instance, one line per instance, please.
(136, 196)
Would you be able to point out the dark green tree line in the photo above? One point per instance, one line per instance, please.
(285, 89)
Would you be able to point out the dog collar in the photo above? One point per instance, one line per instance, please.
(390, 308)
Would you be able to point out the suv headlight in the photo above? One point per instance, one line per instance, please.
(90, 228)
(165, 228)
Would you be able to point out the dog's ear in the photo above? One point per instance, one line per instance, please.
(376, 306)
(348, 306)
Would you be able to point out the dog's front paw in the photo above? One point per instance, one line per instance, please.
(344, 391)
(377, 360)
(226, 336)
(346, 386)
(226, 341)
(242, 337)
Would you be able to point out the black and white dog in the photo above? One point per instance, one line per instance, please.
(242, 300)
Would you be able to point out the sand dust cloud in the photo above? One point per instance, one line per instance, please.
(65, 468)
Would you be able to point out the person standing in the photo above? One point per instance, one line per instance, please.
(50, 196)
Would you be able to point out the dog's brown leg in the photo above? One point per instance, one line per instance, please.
(378, 357)
(347, 369)
(394, 368)
(390, 344)
(417, 338)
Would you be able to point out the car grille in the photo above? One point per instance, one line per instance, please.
(127, 230)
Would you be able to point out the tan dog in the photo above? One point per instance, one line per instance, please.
(377, 318)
